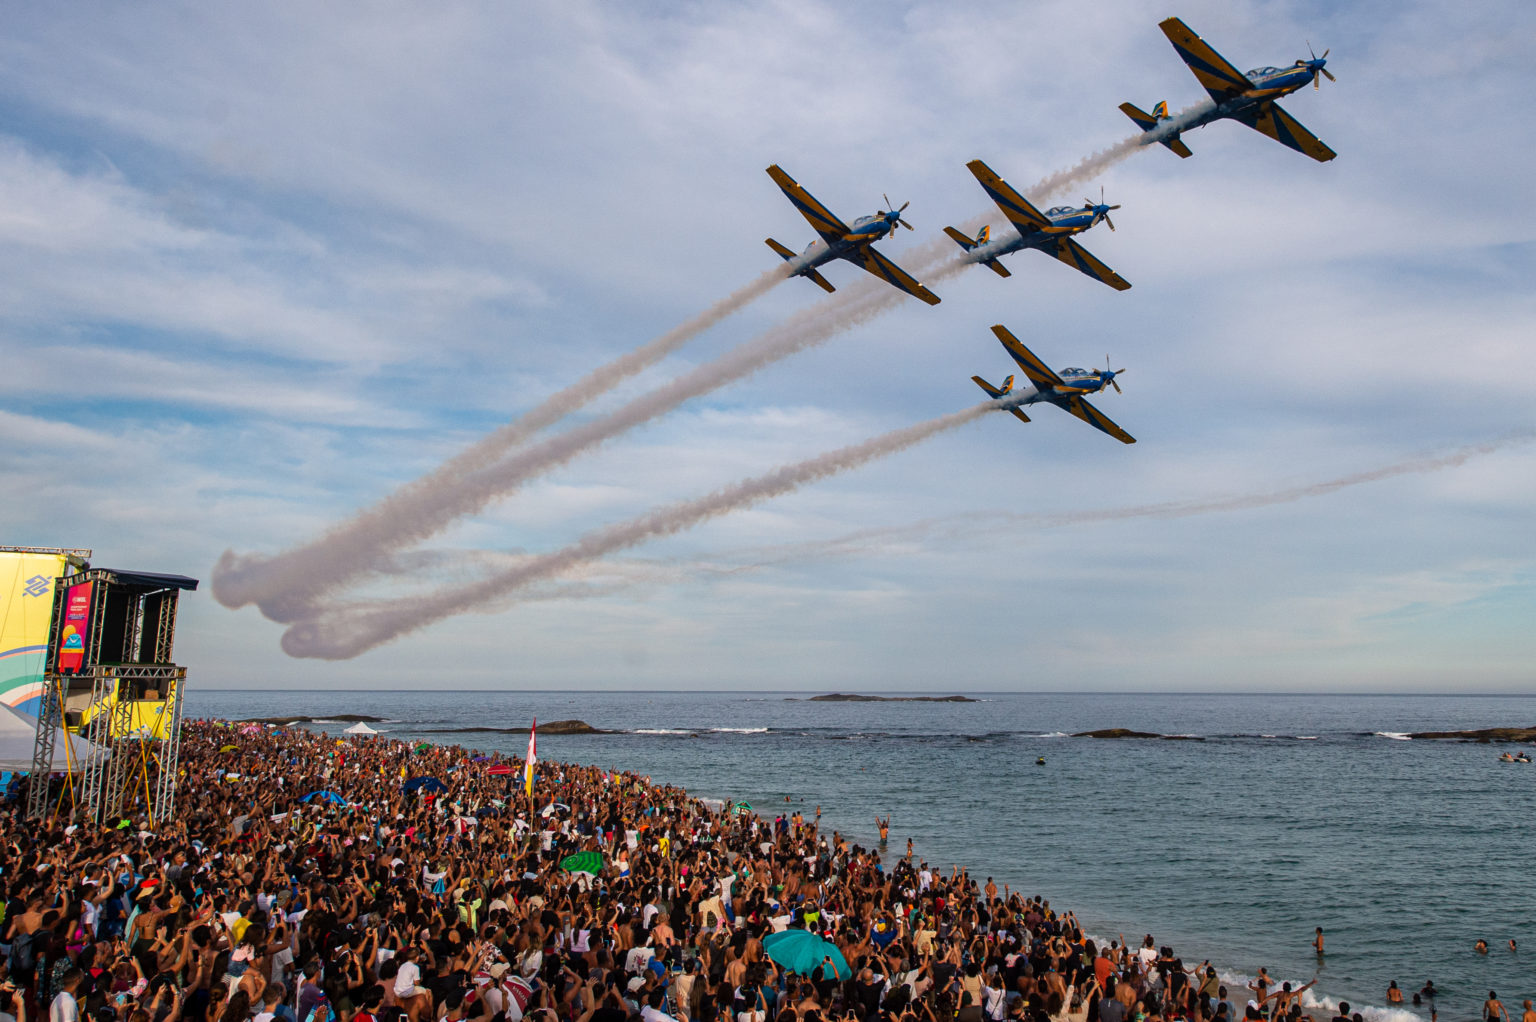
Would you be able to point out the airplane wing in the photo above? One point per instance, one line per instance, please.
(1078, 257)
(1095, 418)
(1038, 372)
(889, 272)
(1285, 129)
(1015, 207)
(1221, 79)
(821, 219)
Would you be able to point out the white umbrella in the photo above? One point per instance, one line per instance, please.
(360, 728)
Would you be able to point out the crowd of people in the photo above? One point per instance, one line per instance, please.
(305, 878)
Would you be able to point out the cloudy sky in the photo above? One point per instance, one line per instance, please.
(260, 265)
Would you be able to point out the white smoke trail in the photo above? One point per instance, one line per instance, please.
(868, 541)
(286, 588)
(339, 638)
(238, 581)
(883, 540)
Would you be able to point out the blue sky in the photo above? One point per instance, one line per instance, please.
(260, 265)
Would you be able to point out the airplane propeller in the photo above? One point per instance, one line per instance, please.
(898, 220)
(1101, 211)
(1110, 374)
(1316, 64)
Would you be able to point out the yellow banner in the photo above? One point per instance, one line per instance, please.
(26, 589)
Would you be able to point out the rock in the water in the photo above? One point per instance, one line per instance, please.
(1526, 735)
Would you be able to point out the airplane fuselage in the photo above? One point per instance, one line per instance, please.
(1074, 382)
(1065, 221)
(866, 230)
(1269, 84)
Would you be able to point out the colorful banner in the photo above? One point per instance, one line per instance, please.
(26, 610)
(76, 629)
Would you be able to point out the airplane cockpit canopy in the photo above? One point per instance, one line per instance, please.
(1058, 210)
(861, 221)
(1074, 371)
(1263, 72)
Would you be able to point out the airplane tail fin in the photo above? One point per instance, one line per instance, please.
(970, 244)
(819, 280)
(995, 393)
(810, 272)
(962, 240)
(780, 249)
(1149, 122)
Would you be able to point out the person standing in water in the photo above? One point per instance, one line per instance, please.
(1317, 942)
(885, 830)
(1493, 1009)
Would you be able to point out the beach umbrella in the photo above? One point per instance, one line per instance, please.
(230, 748)
(360, 728)
(324, 796)
(520, 990)
(801, 951)
(500, 769)
(741, 808)
(427, 783)
(422, 745)
(583, 862)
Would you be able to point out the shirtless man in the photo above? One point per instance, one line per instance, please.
(885, 830)
(1317, 942)
(1529, 1014)
(1493, 1009)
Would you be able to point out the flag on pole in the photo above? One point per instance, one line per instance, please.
(533, 757)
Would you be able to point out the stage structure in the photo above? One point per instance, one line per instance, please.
(110, 678)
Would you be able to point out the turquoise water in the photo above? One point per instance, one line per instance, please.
(1293, 812)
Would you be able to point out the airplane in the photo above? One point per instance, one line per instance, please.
(1064, 390)
(1050, 232)
(1248, 98)
(839, 241)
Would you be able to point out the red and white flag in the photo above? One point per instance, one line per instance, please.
(533, 757)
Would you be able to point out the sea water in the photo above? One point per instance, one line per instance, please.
(1290, 812)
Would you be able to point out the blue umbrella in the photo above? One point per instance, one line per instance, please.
(324, 796)
(428, 783)
(801, 951)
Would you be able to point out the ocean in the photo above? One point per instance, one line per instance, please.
(1290, 812)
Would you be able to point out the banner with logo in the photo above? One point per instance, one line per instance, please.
(75, 630)
(26, 610)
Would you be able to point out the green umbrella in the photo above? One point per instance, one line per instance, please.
(741, 808)
(423, 745)
(801, 951)
(583, 862)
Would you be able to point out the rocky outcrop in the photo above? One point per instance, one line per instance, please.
(1525, 735)
(1122, 732)
(844, 697)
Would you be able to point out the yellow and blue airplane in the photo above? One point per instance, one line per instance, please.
(1050, 232)
(839, 241)
(1064, 390)
(1248, 98)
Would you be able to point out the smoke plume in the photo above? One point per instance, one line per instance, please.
(337, 638)
(238, 581)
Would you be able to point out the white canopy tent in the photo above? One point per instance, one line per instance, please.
(360, 728)
(18, 735)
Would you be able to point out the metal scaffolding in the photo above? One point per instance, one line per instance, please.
(128, 708)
